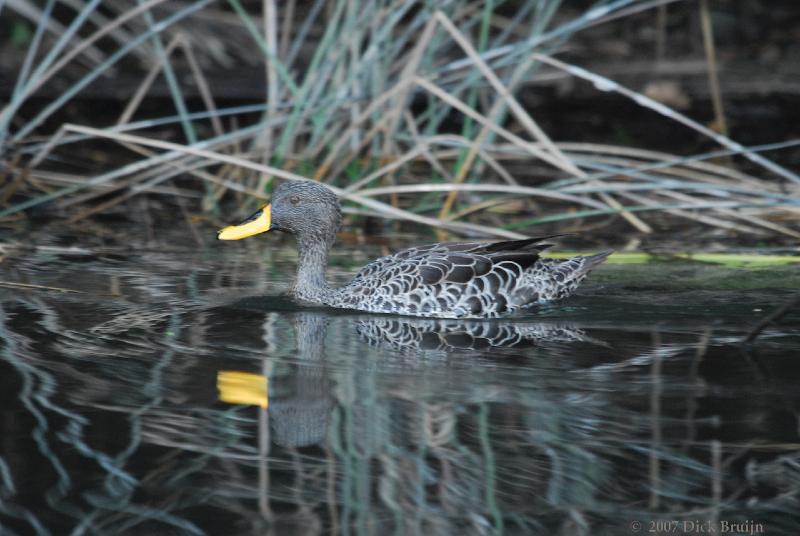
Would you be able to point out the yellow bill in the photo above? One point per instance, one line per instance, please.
(259, 222)
(237, 387)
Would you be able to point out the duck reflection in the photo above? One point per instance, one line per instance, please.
(301, 401)
(301, 404)
(450, 335)
(301, 408)
(343, 392)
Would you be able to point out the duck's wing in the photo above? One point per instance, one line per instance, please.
(452, 255)
(467, 278)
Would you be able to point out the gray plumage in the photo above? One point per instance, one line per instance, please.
(462, 280)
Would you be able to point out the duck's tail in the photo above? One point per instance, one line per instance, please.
(590, 263)
(554, 279)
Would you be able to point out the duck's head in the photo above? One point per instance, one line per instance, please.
(306, 209)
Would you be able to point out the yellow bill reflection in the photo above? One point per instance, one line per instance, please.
(236, 387)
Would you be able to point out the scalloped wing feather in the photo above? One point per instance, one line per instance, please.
(470, 279)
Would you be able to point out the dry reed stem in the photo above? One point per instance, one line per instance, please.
(713, 75)
(265, 140)
(499, 188)
(661, 32)
(202, 83)
(29, 286)
(286, 30)
(483, 205)
(12, 186)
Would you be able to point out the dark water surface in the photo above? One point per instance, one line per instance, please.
(629, 408)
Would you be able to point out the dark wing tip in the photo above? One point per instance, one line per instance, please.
(517, 245)
(596, 259)
(600, 257)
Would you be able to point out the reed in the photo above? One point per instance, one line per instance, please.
(360, 98)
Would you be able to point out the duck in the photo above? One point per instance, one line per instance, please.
(442, 280)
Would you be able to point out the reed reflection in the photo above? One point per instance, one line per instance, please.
(347, 422)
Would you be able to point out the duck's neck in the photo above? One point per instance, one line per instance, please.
(311, 285)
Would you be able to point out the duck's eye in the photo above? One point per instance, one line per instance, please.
(294, 200)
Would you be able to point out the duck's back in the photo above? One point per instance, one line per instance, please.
(473, 280)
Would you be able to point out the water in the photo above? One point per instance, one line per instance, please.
(630, 408)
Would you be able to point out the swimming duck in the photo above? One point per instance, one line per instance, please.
(460, 280)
